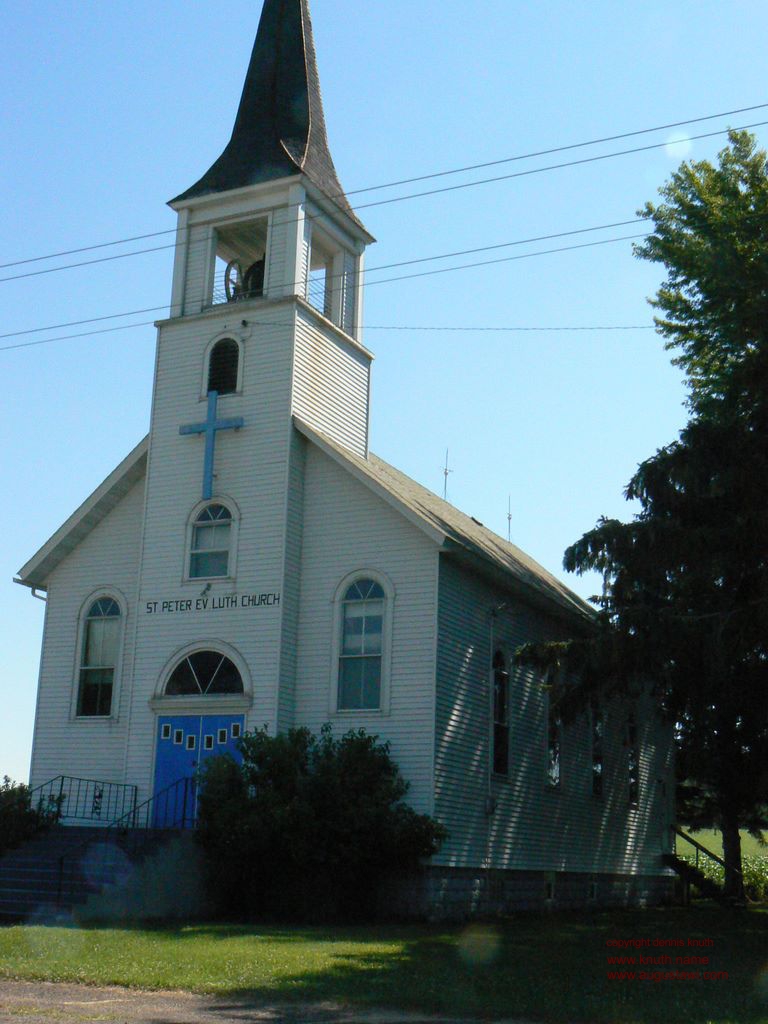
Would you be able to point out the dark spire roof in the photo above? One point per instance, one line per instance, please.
(280, 128)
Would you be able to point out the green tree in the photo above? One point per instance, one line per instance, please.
(685, 583)
(19, 820)
(309, 827)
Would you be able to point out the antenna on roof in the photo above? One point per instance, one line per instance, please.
(446, 473)
(509, 519)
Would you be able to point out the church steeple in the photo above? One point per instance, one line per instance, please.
(280, 127)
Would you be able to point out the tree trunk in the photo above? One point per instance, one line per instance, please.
(734, 880)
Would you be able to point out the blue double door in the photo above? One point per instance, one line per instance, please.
(184, 744)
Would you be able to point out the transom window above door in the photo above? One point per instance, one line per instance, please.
(204, 673)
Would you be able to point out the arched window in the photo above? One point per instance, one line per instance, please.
(209, 552)
(101, 643)
(223, 363)
(500, 714)
(204, 673)
(361, 647)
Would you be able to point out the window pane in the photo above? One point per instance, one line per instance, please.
(226, 680)
(182, 680)
(211, 564)
(93, 642)
(95, 697)
(372, 634)
(211, 537)
(222, 367)
(204, 672)
(105, 606)
(212, 513)
(350, 683)
(353, 633)
(371, 683)
(110, 639)
(204, 665)
(363, 589)
(500, 749)
(500, 696)
(102, 637)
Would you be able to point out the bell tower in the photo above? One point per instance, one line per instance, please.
(264, 327)
(269, 218)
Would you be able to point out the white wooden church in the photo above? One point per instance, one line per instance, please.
(251, 561)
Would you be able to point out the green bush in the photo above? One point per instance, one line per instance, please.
(755, 868)
(19, 821)
(308, 828)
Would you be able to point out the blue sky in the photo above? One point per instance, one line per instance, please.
(111, 109)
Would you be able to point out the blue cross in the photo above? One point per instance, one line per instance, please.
(209, 428)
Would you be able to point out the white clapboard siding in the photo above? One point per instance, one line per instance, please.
(349, 293)
(198, 257)
(105, 562)
(331, 382)
(535, 826)
(347, 528)
(251, 468)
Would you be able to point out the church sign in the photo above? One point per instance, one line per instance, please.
(211, 604)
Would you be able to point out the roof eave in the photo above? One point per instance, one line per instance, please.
(210, 198)
(437, 536)
(351, 224)
(560, 607)
(98, 504)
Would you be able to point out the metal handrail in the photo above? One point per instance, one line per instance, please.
(142, 822)
(703, 849)
(68, 797)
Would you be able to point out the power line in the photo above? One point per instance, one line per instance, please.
(504, 245)
(550, 167)
(79, 323)
(413, 195)
(368, 270)
(443, 270)
(437, 328)
(557, 149)
(508, 330)
(504, 259)
(88, 263)
(443, 173)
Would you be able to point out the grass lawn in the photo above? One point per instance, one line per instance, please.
(549, 968)
(713, 840)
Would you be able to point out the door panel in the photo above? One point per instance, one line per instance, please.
(184, 743)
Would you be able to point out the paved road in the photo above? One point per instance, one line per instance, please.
(24, 1002)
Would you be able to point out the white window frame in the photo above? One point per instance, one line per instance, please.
(212, 703)
(236, 336)
(234, 512)
(386, 644)
(102, 593)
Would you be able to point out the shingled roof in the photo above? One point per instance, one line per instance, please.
(280, 126)
(451, 527)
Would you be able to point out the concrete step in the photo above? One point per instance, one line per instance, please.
(60, 869)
